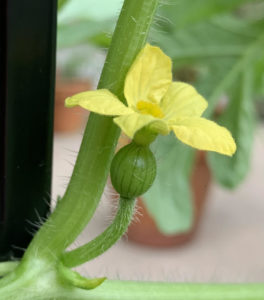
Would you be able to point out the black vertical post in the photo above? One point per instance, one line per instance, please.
(27, 70)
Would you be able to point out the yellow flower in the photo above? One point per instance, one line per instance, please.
(153, 100)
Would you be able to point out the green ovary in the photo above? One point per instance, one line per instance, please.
(133, 170)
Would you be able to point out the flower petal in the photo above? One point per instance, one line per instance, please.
(149, 76)
(182, 100)
(130, 124)
(204, 135)
(99, 101)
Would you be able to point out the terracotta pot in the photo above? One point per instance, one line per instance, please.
(145, 231)
(69, 119)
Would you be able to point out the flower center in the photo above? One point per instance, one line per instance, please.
(148, 108)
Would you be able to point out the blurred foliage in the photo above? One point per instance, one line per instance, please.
(221, 45)
(239, 117)
(84, 21)
(169, 199)
(61, 3)
(217, 46)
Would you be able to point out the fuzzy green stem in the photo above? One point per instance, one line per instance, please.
(7, 267)
(82, 196)
(105, 240)
(131, 290)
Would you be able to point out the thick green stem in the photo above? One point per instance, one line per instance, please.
(105, 240)
(130, 290)
(7, 267)
(77, 206)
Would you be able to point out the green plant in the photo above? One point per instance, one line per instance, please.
(82, 22)
(41, 265)
(223, 38)
(44, 271)
(218, 46)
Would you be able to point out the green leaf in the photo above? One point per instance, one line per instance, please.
(218, 49)
(259, 77)
(61, 4)
(239, 118)
(230, 77)
(169, 199)
(84, 21)
(207, 39)
(89, 10)
(84, 31)
(208, 84)
(183, 13)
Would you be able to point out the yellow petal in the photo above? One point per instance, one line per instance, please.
(99, 101)
(130, 124)
(204, 135)
(182, 100)
(149, 108)
(149, 76)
